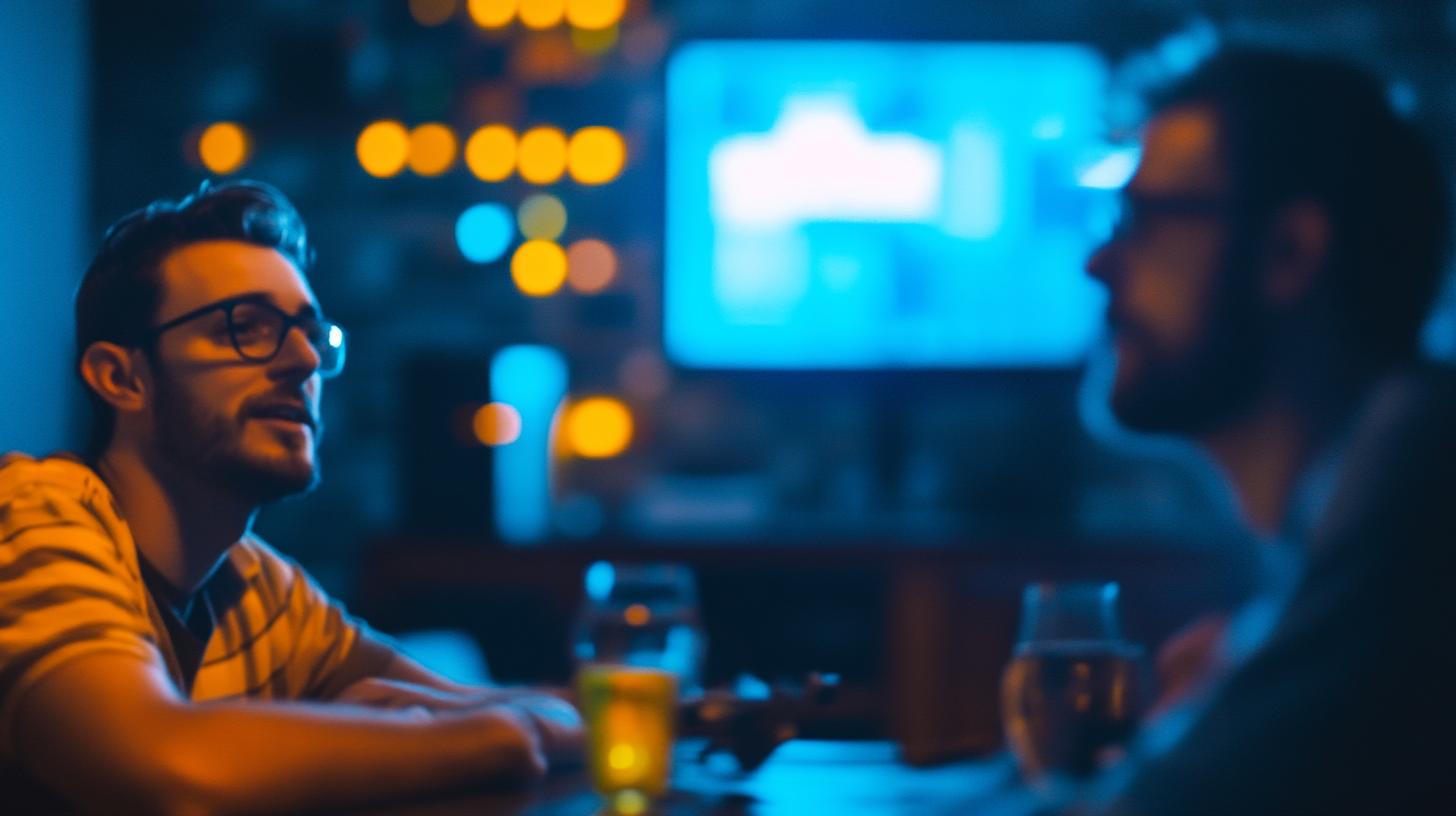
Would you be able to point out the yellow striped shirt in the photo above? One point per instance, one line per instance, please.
(70, 586)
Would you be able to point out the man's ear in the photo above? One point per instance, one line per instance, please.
(1295, 252)
(115, 373)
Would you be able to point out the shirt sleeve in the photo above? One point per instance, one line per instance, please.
(65, 590)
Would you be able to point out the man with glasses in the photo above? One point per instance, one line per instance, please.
(1282, 241)
(155, 656)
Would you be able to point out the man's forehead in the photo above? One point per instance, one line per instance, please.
(207, 271)
(1182, 153)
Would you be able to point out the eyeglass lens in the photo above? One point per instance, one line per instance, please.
(259, 330)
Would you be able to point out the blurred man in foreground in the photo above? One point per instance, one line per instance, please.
(155, 656)
(1282, 241)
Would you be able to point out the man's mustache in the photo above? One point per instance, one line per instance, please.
(283, 405)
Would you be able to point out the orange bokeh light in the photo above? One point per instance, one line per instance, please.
(597, 427)
(224, 147)
(541, 155)
(594, 14)
(432, 149)
(637, 614)
(492, 13)
(383, 148)
(497, 424)
(538, 268)
(540, 14)
(490, 153)
(591, 265)
(595, 155)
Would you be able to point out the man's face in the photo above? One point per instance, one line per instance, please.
(214, 414)
(1181, 309)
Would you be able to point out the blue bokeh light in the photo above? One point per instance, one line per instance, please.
(484, 232)
(601, 576)
(532, 379)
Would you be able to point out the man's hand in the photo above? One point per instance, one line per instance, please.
(556, 722)
(1188, 659)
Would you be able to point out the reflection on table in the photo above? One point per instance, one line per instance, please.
(802, 777)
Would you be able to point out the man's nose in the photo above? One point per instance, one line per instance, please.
(298, 354)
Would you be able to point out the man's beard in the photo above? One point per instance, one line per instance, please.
(208, 447)
(1206, 386)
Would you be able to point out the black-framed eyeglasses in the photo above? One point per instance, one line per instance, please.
(1135, 210)
(258, 329)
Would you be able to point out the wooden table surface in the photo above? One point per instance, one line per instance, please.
(802, 777)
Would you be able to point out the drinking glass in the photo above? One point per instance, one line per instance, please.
(638, 644)
(1070, 694)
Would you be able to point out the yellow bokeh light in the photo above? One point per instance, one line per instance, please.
(541, 155)
(598, 427)
(622, 756)
(431, 12)
(538, 268)
(540, 14)
(543, 216)
(490, 153)
(594, 14)
(497, 424)
(595, 155)
(431, 149)
(492, 13)
(223, 147)
(591, 266)
(383, 148)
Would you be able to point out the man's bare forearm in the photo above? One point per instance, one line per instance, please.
(254, 757)
(291, 757)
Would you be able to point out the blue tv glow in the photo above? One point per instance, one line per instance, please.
(858, 205)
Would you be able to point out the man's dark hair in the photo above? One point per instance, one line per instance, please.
(119, 294)
(1298, 126)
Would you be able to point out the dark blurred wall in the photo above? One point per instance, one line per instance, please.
(951, 458)
(44, 102)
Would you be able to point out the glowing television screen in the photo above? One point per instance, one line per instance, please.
(857, 205)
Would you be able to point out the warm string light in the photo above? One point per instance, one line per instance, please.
(542, 155)
(224, 147)
(538, 15)
(595, 155)
(597, 427)
(490, 153)
(538, 268)
(492, 13)
(594, 15)
(383, 148)
(541, 14)
(432, 149)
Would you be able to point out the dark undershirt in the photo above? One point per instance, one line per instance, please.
(190, 619)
